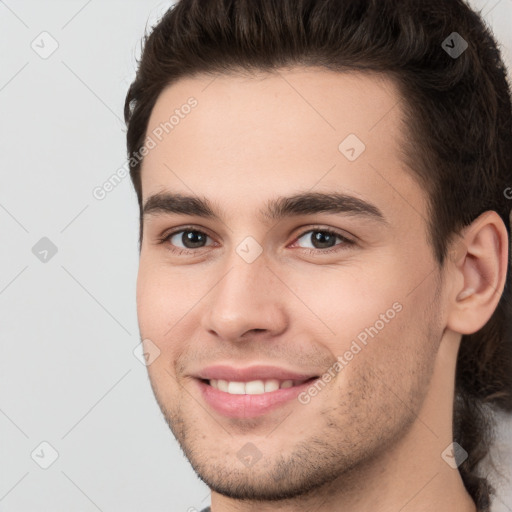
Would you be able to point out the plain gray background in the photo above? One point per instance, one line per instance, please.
(69, 375)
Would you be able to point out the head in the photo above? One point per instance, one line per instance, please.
(310, 108)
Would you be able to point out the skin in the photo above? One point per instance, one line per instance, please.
(372, 439)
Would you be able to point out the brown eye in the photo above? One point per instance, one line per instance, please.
(185, 239)
(191, 239)
(321, 239)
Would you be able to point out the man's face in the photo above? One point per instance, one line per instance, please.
(250, 290)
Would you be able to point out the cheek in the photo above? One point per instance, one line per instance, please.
(346, 300)
(159, 305)
(169, 302)
(149, 300)
(372, 310)
(384, 378)
(163, 296)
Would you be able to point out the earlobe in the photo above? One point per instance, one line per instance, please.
(481, 267)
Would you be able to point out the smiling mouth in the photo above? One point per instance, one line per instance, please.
(254, 387)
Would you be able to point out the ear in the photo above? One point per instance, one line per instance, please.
(477, 269)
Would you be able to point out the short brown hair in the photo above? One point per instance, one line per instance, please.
(459, 119)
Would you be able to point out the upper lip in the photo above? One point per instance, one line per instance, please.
(259, 372)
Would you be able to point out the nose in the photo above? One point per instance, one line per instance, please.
(248, 299)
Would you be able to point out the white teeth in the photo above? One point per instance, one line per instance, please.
(236, 388)
(254, 387)
(271, 385)
(221, 384)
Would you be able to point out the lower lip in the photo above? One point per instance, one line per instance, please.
(248, 406)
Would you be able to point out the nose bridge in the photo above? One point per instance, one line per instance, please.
(245, 298)
(247, 271)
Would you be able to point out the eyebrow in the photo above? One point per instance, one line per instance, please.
(306, 203)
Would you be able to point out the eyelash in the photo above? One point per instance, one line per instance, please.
(346, 242)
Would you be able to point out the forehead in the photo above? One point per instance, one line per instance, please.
(270, 134)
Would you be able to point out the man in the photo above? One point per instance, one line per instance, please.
(324, 273)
